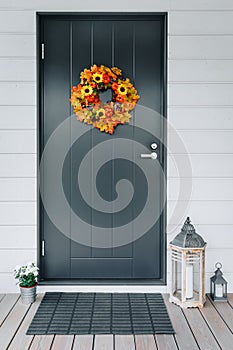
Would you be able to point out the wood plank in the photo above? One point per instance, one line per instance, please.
(217, 326)
(12, 323)
(161, 5)
(199, 71)
(200, 47)
(124, 342)
(166, 342)
(63, 342)
(17, 213)
(17, 69)
(11, 257)
(226, 312)
(42, 342)
(202, 189)
(145, 342)
(201, 331)
(203, 165)
(103, 342)
(6, 305)
(18, 165)
(185, 118)
(24, 93)
(17, 45)
(18, 141)
(192, 94)
(18, 117)
(2, 296)
(21, 341)
(183, 334)
(74, 5)
(193, 5)
(17, 189)
(18, 237)
(220, 214)
(230, 299)
(199, 23)
(194, 140)
(83, 342)
(17, 21)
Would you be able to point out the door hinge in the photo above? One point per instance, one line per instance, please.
(43, 248)
(42, 51)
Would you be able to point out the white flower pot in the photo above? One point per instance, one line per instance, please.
(28, 294)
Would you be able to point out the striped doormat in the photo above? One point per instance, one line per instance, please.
(101, 313)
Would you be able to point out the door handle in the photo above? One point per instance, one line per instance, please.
(152, 155)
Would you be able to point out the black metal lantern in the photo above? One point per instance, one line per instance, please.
(218, 285)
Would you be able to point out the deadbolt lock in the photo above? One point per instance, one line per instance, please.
(153, 145)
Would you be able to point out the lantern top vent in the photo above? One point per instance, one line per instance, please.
(188, 238)
(218, 278)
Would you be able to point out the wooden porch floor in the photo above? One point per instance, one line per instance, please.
(209, 328)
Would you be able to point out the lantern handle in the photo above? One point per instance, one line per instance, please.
(218, 265)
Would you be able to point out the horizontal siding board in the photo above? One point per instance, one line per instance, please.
(201, 118)
(12, 258)
(17, 117)
(216, 236)
(92, 5)
(16, 45)
(17, 189)
(199, 23)
(202, 5)
(17, 21)
(200, 94)
(200, 47)
(17, 213)
(17, 93)
(202, 189)
(199, 141)
(203, 165)
(215, 255)
(201, 212)
(18, 165)
(200, 71)
(18, 141)
(17, 237)
(17, 70)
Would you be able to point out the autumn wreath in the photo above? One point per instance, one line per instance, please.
(87, 103)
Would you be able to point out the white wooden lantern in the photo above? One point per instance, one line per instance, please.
(188, 268)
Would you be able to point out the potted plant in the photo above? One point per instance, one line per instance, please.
(27, 276)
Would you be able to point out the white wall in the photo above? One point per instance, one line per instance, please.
(200, 107)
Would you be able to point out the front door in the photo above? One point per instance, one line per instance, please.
(102, 205)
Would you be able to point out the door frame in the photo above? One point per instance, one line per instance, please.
(39, 103)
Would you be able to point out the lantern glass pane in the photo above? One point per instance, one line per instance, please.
(193, 258)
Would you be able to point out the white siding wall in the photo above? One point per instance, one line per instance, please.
(200, 108)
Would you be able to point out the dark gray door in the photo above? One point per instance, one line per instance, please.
(102, 207)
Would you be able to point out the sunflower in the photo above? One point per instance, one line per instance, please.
(98, 78)
(100, 113)
(87, 90)
(122, 89)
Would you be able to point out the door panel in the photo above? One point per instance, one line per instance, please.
(105, 183)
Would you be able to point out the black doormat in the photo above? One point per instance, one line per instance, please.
(101, 313)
